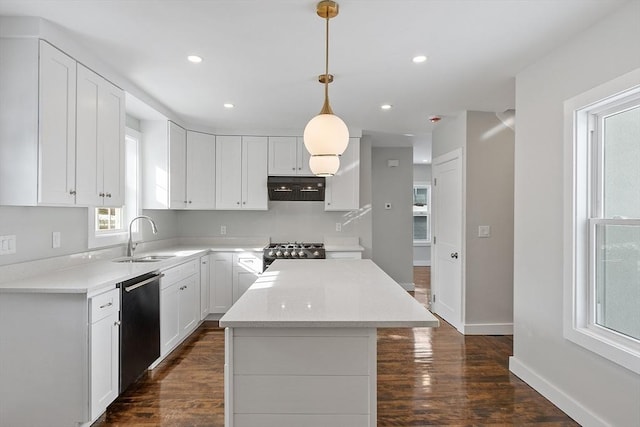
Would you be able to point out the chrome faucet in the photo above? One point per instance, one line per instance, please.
(130, 245)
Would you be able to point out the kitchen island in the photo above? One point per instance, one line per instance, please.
(300, 344)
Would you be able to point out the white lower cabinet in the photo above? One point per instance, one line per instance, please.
(220, 282)
(179, 304)
(204, 287)
(231, 274)
(247, 267)
(104, 353)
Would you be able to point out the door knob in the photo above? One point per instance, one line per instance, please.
(454, 255)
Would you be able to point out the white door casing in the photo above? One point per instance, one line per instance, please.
(447, 217)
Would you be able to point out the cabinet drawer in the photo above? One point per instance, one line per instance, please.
(104, 305)
(249, 261)
(179, 272)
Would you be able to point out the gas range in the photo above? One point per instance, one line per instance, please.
(293, 250)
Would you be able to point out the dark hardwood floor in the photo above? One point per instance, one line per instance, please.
(426, 377)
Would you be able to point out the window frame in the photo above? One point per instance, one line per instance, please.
(582, 172)
(100, 239)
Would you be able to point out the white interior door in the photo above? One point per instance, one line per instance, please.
(447, 229)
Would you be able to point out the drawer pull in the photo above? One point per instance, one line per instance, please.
(109, 304)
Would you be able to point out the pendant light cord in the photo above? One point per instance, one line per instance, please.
(326, 61)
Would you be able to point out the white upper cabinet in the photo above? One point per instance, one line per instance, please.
(57, 133)
(100, 141)
(288, 156)
(61, 129)
(241, 172)
(177, 162)
(200, 171)
(37, 124)
(343, 189)
(163, 164)
(178, 167)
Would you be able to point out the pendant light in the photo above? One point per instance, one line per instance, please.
(326, 136)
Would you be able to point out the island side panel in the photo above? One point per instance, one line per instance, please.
(43, 359)
(300, 376)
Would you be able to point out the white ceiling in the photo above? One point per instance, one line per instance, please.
(264, 56)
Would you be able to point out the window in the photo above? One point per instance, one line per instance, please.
(602, 289)
(421, 214)
(108, 225)
(108, 219)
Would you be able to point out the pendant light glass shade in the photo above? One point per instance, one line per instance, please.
(326, 134)
(324, 165)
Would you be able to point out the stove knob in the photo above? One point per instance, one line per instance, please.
(271, 253)
(278, 253)
(316, 254)
(294, 253)
(301, 254)
(286, 253)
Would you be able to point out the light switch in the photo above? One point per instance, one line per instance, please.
(484, 231)
(223, 230)
(7, 245)
(55, 239)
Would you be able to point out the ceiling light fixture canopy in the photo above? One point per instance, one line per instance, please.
(326, 136)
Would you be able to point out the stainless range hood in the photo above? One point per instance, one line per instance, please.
(296, 188)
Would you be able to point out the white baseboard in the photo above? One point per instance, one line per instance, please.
(421, 263)
(488, 329)
(408, 286)
(559, 398)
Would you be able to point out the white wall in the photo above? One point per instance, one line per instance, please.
(488, 147)
(489, 201)
(33, 226)
(591, 389)
(393, 228)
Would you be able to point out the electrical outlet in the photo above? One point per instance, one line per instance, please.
(223, 229)
(338, 226)
(484, 231)
(7, 245)
(55, 239)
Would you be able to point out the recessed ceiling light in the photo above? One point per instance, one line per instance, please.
(195, 59)
(228, 105)
(419, 59)
(425, 161)
(386, 106)
(408, 134)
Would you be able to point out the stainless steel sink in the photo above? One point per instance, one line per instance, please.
(148, 258)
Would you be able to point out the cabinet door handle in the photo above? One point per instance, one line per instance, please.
(454, 255)
(293, 169)
(100, 194)
(237, 203)
(72, 192)
(190, 201)
(117, 323)
(244, 203)
(108, 195)
(109, 304)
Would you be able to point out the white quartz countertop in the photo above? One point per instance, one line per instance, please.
(94, 276)
(326, 293)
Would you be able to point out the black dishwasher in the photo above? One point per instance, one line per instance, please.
(140, 326)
